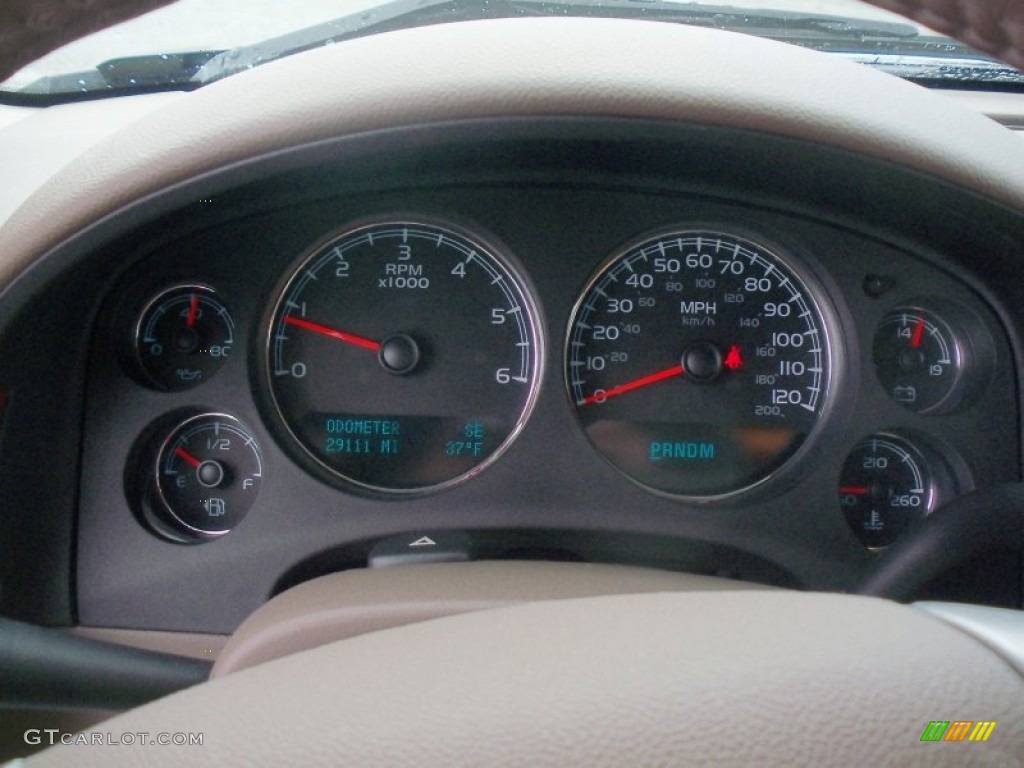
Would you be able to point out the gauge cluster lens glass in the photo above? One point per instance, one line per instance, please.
(698, 362)
(403, 355)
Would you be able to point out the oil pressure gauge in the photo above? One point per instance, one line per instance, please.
(182, 337)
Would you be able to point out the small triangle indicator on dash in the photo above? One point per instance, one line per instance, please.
(424, 541)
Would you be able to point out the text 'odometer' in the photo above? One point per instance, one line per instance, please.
(698, 362)
(403, 354)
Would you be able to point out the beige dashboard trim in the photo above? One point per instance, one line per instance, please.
(351, 603)
(519, 67)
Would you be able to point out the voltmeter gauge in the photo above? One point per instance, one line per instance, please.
(182, 337)
(889, 482)
(920, 359)
(201, 477)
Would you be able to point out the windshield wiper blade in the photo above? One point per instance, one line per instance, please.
(797, 27)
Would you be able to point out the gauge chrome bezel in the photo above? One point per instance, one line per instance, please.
(809, 276)
(481, 240)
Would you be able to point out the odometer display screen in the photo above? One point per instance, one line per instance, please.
(698, 362)
(403, 355)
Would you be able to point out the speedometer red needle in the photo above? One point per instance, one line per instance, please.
(621, 389)
(181, 453)
(915, 340)
(359, 341)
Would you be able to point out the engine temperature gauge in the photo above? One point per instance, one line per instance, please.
(887, 483)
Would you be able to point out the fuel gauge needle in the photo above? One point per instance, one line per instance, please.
(187, 457)
(333, 333)
(643, 381)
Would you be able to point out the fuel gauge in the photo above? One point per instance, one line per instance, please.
(200, 477)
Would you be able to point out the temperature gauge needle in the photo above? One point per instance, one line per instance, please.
(349, 338)
(854, 490)
(645, 381)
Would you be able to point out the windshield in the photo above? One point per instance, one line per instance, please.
(192, 42)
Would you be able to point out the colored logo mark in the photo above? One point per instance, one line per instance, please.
(958, 730)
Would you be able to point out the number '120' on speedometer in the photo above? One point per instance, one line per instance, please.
(698, 362)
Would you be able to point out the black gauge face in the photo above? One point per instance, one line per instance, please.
(886, 485)
(183, 336)
(698, 362)
(208, 474)
(403, 355)
(918, 359)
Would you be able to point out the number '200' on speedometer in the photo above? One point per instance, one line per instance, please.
(698, 362)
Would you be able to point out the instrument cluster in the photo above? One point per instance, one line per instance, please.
(285, 390)
(403, 354)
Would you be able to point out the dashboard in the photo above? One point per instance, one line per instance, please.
(243, 430)
(300, 322)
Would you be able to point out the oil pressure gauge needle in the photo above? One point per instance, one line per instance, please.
(349, 338)
(193, 311)
(644, 381)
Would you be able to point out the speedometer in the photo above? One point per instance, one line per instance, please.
(403, 355)
(699, 362)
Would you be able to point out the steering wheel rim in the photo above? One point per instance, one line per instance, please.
(657, 679)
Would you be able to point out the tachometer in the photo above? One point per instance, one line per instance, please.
(403, 355)
(698, 362)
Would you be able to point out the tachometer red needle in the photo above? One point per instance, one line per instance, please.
(359, 341)
(854, 490)
(915, 340)
(621, 389)
(193, 309)
(181, 453)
